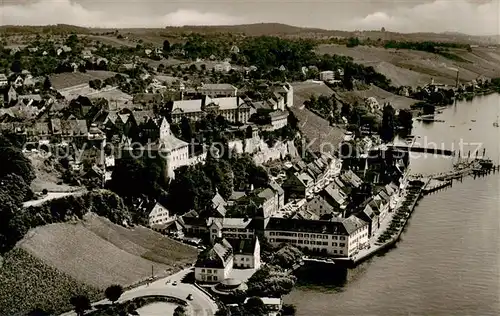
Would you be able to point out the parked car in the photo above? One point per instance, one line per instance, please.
(189, 297)
(174, 283)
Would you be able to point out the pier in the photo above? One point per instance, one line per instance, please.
(426, 150)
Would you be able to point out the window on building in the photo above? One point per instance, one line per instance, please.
(215, 278)
(341, 252)
(214, 231)
(248, 259)
(202, 270)
(335, 238)
(342, 245)
(272, 233)
(306, 235)
(300, 241)
(325, 243)
(335, 251)
(334, 244)
(342, 238)
(209, 278)
(301, 235)
(306, 242)
(313, 242)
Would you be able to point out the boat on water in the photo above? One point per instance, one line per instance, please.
(496, 122)
(472, 120)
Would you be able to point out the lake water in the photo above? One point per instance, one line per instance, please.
(448, 260)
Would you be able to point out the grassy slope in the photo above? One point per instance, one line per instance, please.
(408, 67)
(99, 253)
(313, 126)
(27, 283)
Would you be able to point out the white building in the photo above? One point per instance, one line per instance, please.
(176, 150)
(215, 264)
(279, 119)
(326, 75)
(3, 80)
(246, 253)
(233, 109)
(236, 228)
(341, 237)
(159, 216)
(223, 67)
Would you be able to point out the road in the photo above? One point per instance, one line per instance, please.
(51, 196)
(201, 305)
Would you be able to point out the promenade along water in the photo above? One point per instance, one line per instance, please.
(448, 259)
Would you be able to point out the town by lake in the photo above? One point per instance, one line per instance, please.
(448, 257)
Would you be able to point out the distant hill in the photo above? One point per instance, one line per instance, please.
(258, 29)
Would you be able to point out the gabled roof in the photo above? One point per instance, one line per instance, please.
(158, 208)
(276, 187)
(266, 194)
(217, 257)
(334, 194)
(335, 227)
(243, 246)
(352, 223)
(219, 204)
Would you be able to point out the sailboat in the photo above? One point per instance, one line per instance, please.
(496, 122)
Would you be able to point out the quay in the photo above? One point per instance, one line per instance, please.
(393, 226)
(435, 185)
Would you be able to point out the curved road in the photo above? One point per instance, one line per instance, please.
(201, 305)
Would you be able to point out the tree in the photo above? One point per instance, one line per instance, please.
(12, 160)
(388, 120)
(288, 310)
(186, 129)
(255, 307)
(180, 311)
(47, 84)
(81, 304)
(166, 46)
(405, 120)
(113, 293)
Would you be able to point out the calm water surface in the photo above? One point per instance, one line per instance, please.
(448, 260)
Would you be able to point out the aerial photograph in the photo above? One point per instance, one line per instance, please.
(249, 158)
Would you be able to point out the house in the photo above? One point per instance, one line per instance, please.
(326, 75)
(159, 216)
(282, 68)
(86, 54)
(268, 201)
(273, 305)
(239, 228)
(223, 67)
(215, 264)
(246, 253)
(297, 185)
(18, 82)
(279, 193)
(351, 179)
(3, 81)
(369, 216)
(234, 49)
(29, 81)
(279, 119)
(335, 197)
(320, 208)
(339, 237)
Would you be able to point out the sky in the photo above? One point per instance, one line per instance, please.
(475, 17)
